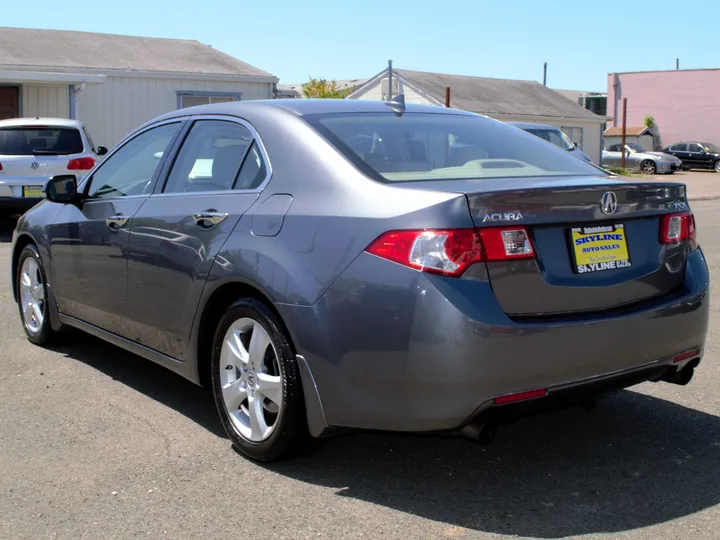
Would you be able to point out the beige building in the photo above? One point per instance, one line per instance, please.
(502, 99)
(115, 83)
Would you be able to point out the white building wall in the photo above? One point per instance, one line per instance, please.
(51, 101)
(113, 109)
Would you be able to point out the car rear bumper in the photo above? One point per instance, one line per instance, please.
(13, 188)
(394, 349)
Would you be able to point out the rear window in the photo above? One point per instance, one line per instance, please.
(28, 141)
(421, 146)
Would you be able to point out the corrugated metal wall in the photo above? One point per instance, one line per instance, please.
(113, 109)
(46, 100)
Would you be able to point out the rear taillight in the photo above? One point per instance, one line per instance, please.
(81, 164)
(505, 244)
(449, 252)
(0, 166)
(677, 227)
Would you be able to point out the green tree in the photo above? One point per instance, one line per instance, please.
(324, 89)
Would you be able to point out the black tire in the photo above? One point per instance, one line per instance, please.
(648, 167)
(717, 166)
(290, 436)
(44, 333)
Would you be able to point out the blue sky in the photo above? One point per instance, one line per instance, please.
(582, 41)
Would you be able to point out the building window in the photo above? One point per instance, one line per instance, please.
(575, 134)
(193, 99)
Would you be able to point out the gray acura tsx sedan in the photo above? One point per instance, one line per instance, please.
(329, 265)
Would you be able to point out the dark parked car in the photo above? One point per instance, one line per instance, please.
(326, 265)
(696, 155)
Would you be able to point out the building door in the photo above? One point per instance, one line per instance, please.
(9, 101)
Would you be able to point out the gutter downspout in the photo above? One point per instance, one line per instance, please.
(75, 89)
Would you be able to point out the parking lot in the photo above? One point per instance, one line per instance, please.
(98, 443)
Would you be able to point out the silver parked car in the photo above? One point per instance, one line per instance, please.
(639, 159)
(34, 149)
(326, 265)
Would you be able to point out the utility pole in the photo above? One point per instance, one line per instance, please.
(545, 74)
(389, 80)
(624, 126)
(447, 96)
(677, 63)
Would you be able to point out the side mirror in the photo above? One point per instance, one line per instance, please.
(101, 150)
(62, 188)
(575, 145)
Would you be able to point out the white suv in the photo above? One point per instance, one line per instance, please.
(34, 149)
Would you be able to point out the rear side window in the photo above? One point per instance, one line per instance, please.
(679, 148)
(431, 146)
(217, 155)
(40, 140)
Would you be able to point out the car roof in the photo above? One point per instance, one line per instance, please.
(531, 125)
(59, 122)
(301, 107)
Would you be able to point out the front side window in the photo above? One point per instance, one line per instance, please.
(614, 148)
(443, 146)
(575, 134)
(695, 148)
(131, 170)
(40, 140)
(555, 136)
(214, 155)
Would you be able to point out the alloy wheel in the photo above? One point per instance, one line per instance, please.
(32, 295)
(251, 380)
(649, 167)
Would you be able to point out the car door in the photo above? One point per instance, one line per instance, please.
(633, 158)
(696, 156)
(88, 240)
(706, 158)
(216, 177)
(611, 157)
(680, 151)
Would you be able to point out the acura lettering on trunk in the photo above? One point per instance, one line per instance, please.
(335, 265)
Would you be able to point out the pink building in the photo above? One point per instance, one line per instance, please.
(684, 102)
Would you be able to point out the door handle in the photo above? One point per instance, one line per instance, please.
(116, 221)
(208, 218)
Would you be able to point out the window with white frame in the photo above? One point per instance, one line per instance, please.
(193, 100)
(575, 134)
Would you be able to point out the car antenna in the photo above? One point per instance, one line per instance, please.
(397, 103)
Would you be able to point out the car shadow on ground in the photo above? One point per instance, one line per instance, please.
(154, 381)
(7, 225)
(634, 462)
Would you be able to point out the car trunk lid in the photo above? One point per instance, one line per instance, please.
(596, 242)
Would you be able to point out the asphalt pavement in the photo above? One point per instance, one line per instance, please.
(98, 443)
